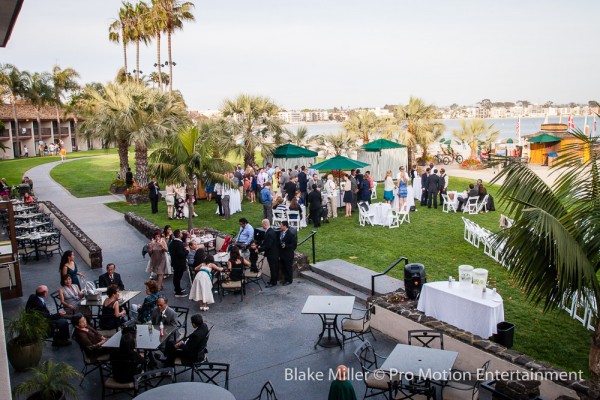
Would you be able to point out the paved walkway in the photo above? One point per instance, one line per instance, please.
(489, 173)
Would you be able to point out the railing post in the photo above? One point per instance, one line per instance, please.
(313, 247)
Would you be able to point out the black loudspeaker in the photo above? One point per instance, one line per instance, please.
(414, 279)
(259, 235)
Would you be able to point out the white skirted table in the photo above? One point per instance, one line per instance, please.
(381, 211)
(463, 308)
(235, 202)
(410, 198)
(417, 188)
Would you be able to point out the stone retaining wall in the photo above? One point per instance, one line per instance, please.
(415, 319)
(79, 241)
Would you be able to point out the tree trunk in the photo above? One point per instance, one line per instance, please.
(170, 63)
(14, 105)
(123, 157)
(141, 165)
(124, 53)
(410, 156)
(190, 194)
(158, 61)
(37, 116)
(473, 147)
(57, 123)
(425, 155)
(249, 158)
(137, 59)
(594, 390)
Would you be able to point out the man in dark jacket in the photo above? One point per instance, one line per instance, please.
(154, 192)
(58, 325)
(129, 177)
(110, 278)
(303, 183)
(178, 262)
(191, 348)
(433, 186)
(424, 179)
(270, 247)
(314, 200)
(473, 192)
(290, 188)
(288, 240)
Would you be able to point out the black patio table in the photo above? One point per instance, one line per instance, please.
(328, 308)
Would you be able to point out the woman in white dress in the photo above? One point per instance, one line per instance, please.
(170, 199)
(202, 286)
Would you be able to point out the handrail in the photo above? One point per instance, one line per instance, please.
(385, 272)
(312, 235)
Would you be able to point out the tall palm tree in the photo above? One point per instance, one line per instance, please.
(430, 133)
(251, 119)
(172, 14)
(187, 154)
(140, 20)
(14, 83)
(363, 125)
(156, 26)
(415, 118)
(64, 81)
(477, 131)
(553, 246)
(336, 144)
(40, 93)
(299, 138)
(159, 79)
(120, 30)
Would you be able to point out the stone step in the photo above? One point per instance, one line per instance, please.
(334, 286)
(356, 277)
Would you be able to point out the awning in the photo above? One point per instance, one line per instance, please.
(339, 163)
(292, 151)
(544, 138)
(381, 144)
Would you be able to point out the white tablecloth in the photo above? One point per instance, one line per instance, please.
(462, 307)
(381, 211)
(417, 188)
(410, 198)
(235, 202)
(456, 194)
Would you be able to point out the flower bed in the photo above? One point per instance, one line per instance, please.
(472, 164)
(114, 189)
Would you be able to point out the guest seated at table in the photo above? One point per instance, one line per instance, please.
(144, 311)
(110, 277)
(164, 313)
(203, 283)
(245, 234)
(70, 296)
(125, 361)
(190, 349)
(87, 337)
(299, 197)
(27, 199)
(482, 193)
(59, 327)
(111, 314)
(473, 192)
(235, 264)
(253, 250)
(4, 188)
(295, 206)
(279, 204)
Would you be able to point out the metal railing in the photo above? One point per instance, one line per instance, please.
(311, 236)
(385, 272)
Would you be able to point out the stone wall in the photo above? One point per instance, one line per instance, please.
(79, 241)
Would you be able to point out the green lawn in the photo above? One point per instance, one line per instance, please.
(433, 238)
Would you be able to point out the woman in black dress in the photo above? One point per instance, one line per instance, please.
(111, 314)
(347, 195)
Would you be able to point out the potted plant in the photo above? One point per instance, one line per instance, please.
(137, 195)
(50, 381)
(118, 186)
(26, 333)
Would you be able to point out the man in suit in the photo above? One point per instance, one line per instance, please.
(473, 192)
(129, 178)
(270, 247)
(178, 262)
(110, 278)
(288, 240)
(424, 179)
(154, 192)
(165, 314)
(303, 183)
(443, 184)
(433, 186)
(189, 349)
(314, 200)
(58, 325)
(354, 189)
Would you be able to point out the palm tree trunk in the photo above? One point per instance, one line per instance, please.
(170, 63)
(123, 157)
(124, 53)
(249, 157)
(141, 165)
(158, 61)
(190, 194)
(39, 128)
(137, 59)
(14, 106)
(594, 389)
(410, 156)
(57, 123)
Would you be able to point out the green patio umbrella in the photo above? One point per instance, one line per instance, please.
(442, 140)
(510, 141)
(381, 144)
(544, 138)
(339, 163)
(292, 151)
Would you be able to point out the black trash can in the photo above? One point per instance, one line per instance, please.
(505, 335)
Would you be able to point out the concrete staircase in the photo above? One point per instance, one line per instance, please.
(349, 279)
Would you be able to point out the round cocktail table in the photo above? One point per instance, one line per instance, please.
(187, 391)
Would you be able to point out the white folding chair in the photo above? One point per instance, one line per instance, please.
(404, 214)
(569, 302)
(365, 215)
(278, 217)
(374, 191)
(293, 218)
(393, 218)
(448, 204)
(471, 205)
(580, 310)
(482, 205)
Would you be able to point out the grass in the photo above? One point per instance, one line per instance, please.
(433, 238)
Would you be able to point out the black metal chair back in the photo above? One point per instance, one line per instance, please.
(182, 317)
(213, 372)
(402, 389)
(426, 338)
(267, 392)
(365, 354)
(152, 379)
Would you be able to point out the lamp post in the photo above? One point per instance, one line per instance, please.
(171, 65)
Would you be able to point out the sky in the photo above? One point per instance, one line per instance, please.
(337, 53)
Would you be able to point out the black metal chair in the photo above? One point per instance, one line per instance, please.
(189, 366)
(469, 384)
(267, 392)
(110, 384)
(25, 249)
(182, 318)
(51, 245)
(212, 372)
(153, 379)
(403, 389)
(234, 280)
(376, 383)
(358, 327)
(255, 277)
(91, 364)
(426, 338)
(57, 303)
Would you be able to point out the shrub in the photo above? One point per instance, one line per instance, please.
(137, 190)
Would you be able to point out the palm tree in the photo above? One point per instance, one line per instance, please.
(416, 119)
(251, 119)
(159, 79)
(299, 138)
(430, 133)
(477, 131)
(14, 83)
(187, 154)
(336, 144)
(172, 14)
(156, 25)
(63, 82)
(120, 30)
(40, 93)
(553, 246)
(362, 125)
(139, 31)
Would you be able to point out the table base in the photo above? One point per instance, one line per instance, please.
(329, 324)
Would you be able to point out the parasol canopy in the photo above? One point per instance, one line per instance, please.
(381, 144)
(339, 163)
(544, 138)
(292, 151)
